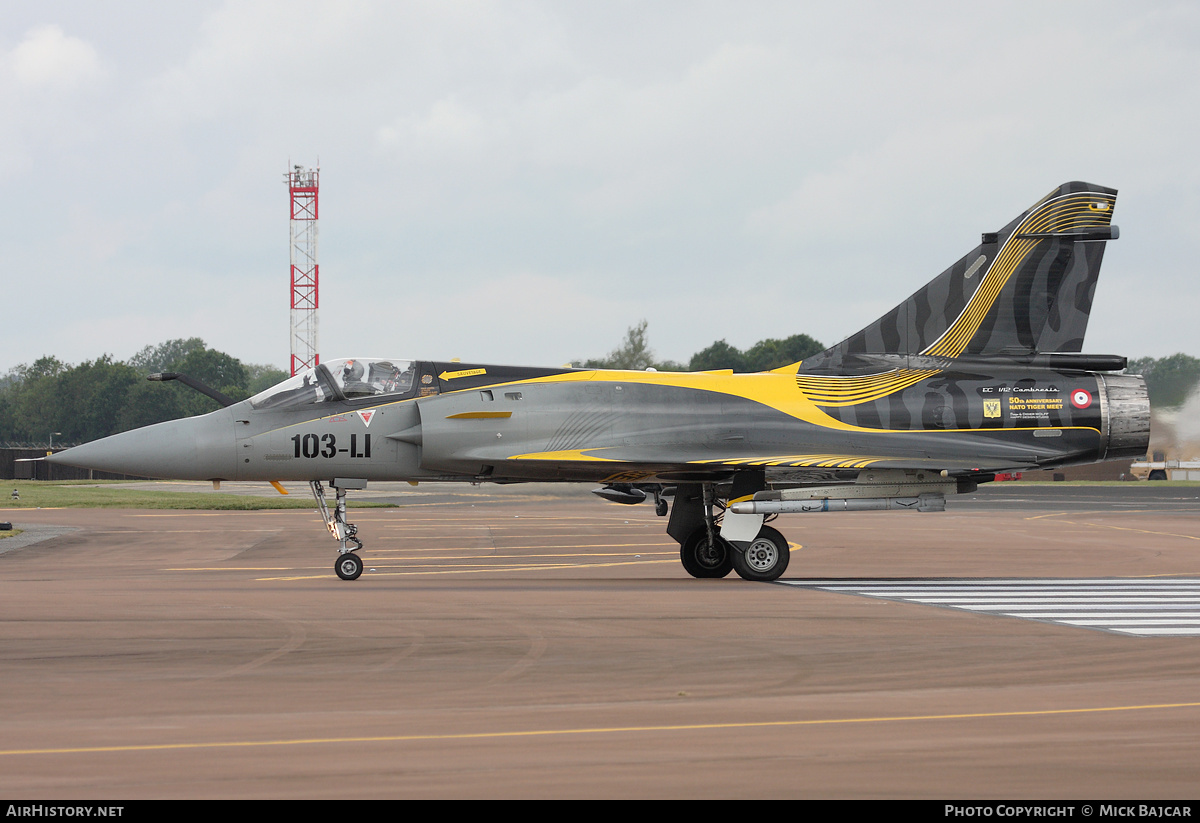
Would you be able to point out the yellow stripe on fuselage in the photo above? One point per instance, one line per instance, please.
(821, 461)
(480, 415)
(565, 456)
(850, 391)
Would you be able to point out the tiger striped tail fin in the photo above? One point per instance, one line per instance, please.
(1023, 290)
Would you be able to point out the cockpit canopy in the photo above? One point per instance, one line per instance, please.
(343, 379)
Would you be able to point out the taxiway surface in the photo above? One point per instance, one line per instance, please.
(539, 645)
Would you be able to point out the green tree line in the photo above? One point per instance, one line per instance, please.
(96, 398)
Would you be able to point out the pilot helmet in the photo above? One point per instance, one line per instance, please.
(353, 370)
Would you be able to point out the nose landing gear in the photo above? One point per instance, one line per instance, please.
(349, 566)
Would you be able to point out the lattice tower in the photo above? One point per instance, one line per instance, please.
(302, 187)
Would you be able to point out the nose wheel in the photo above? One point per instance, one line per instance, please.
(349, 566)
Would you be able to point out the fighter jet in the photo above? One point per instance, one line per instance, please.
(981, 371)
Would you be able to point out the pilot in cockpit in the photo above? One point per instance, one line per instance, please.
(352, 380)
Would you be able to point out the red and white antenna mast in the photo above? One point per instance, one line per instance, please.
(302, 186)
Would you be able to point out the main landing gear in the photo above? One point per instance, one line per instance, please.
(349, 566)
(766, 558)
(712, 546)
(706, 554)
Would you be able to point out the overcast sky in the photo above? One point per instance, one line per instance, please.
(520, 182)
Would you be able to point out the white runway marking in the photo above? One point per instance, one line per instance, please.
(1142, 607)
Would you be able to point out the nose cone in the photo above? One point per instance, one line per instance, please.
(196, 448)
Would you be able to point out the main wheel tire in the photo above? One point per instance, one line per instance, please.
(700, 559)
(766, 558)
(1158, 474)
(348, 566)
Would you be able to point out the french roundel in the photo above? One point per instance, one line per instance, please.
(1081, 399)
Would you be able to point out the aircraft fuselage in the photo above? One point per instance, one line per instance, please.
(615, 426)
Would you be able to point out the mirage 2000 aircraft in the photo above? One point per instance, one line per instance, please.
(980, 371)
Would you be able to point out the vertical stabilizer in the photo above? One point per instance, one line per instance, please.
(1025, 289)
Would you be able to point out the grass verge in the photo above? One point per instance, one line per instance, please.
(71, 494)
